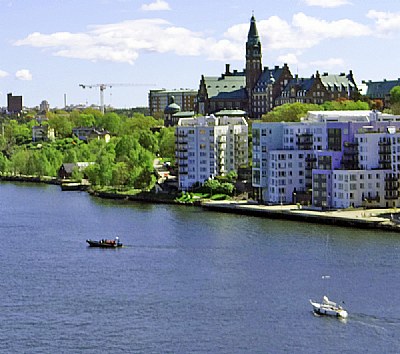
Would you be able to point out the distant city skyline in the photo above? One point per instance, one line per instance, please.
(50, 47)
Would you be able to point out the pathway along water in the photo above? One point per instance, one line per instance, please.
(187, 281)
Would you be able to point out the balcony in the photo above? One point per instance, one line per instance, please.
(391, 178)
(350, 144)
(384, 143)
(385, 158)
(350, 152)
(392, 196)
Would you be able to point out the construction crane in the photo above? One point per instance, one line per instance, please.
(102, 87)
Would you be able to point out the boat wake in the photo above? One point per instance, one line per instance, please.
(378, 324)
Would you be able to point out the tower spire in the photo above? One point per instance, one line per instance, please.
(253, 59)
(252, 36)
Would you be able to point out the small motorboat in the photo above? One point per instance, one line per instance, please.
(328, 308)
(105, 243)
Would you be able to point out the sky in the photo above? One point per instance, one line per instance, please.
(49, 47)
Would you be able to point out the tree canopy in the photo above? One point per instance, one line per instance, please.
(127, 160)
(292, 112)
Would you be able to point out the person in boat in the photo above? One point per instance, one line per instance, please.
(116, 240)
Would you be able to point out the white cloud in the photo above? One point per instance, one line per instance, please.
(124, 41)
(386, 22)
(301, 33)
(327, 3)
(158, 5)
(290, 59)
(3, 73)
(24, 75)
(121, 42)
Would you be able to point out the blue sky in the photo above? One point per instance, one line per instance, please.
(49, 47)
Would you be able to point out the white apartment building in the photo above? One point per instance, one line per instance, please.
(329, 159)
(209, 146)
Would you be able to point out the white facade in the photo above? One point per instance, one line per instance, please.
(209, 146)
(336, 159)
(286, 175)
(358, 188)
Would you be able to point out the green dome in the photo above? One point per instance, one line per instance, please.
(172, 108)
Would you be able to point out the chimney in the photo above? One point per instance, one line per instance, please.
(227, 69)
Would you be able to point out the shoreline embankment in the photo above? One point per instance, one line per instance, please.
(358, 218)
(379, 219)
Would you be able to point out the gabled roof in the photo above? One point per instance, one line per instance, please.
(380, 89)
(300, 84)
(269, 74)
(335, 82)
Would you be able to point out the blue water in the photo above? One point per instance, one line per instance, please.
(188, 281)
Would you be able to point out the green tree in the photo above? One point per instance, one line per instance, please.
(138, 122)
(85, 120)
(395, 100)
(3, 143)
(105, 169)
(212, 185)
(124, 146)
(120, 174)
(227, 188)
(70, 156)
(4, 163)
(109, 121)
(148, 141)
(61, 124)
(167, 142)
(19, 161)
(54, 160)
(395, 95)
(289, 112)
(92, 171)
(344, 104)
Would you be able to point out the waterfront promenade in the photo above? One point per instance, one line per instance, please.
(360, 218)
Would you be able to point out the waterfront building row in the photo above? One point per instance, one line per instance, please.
(332, 159)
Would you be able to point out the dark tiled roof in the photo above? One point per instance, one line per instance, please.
(233, 95)
(380, 89)
(226, 86)
(300, 84)
(68, 167)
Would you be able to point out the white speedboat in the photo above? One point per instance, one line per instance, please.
(329, 308)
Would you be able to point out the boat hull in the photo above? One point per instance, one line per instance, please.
(328, 310)
(104, 244)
